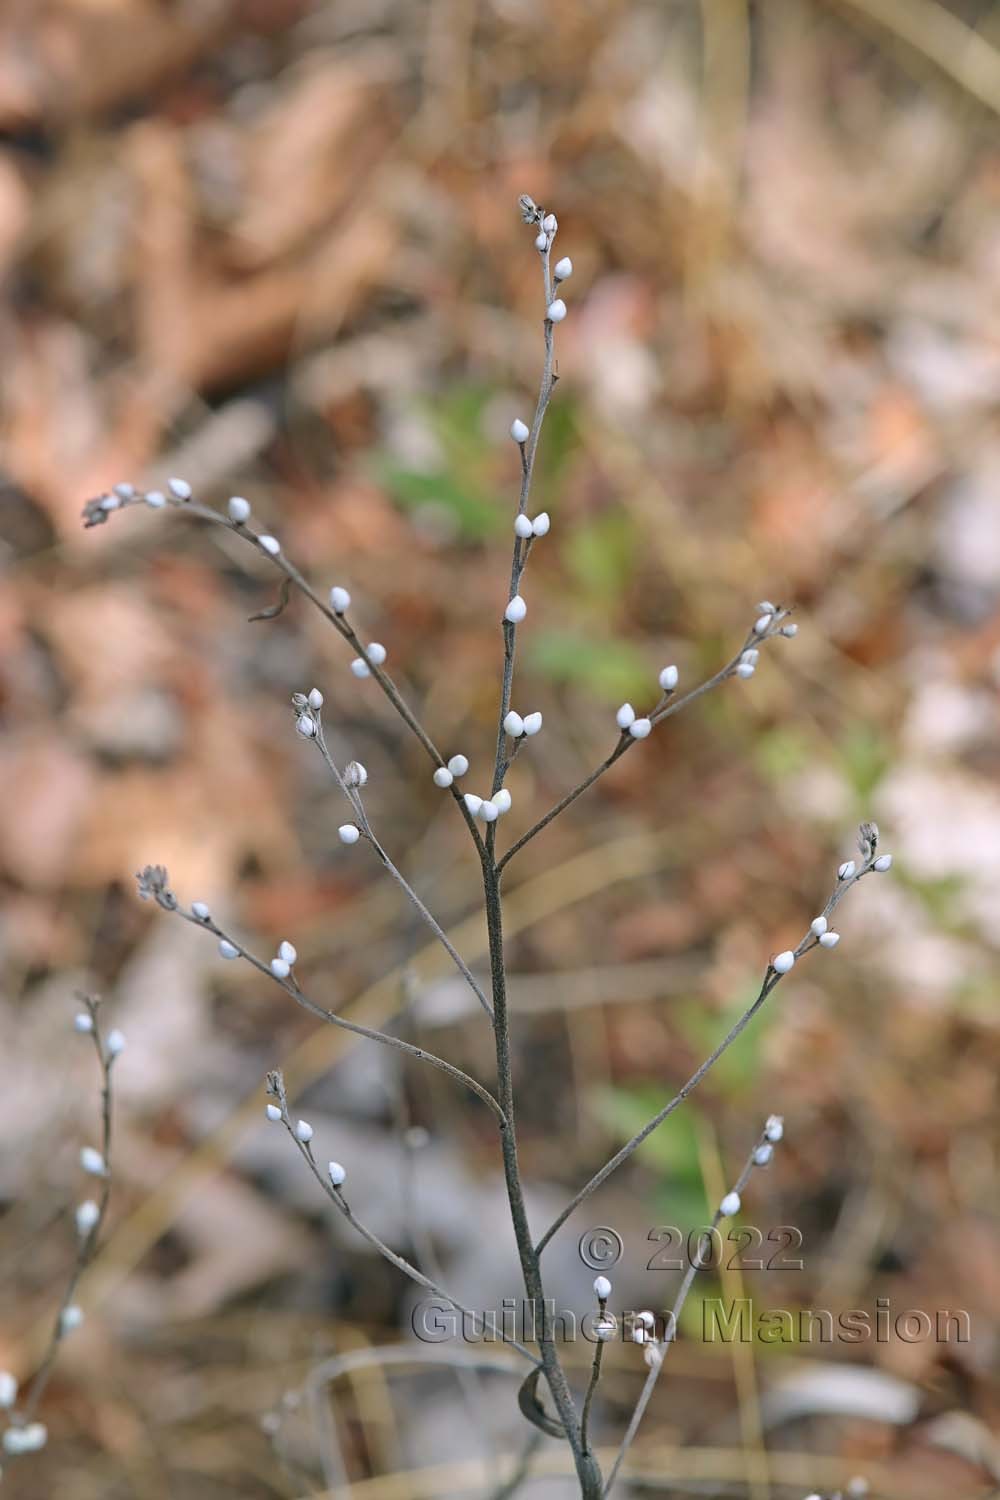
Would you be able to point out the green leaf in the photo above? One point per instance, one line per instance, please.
(600, 554)
(612, 670)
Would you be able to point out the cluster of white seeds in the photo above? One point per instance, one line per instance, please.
(488, 809)
(525, 527)
(627, 722)
(376, 654)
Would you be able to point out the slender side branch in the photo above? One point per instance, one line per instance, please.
(303, 1140)
(772, 978)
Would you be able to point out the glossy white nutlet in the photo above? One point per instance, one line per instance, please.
(751, 655)
(763, 1154)
(556, 311)
(270, 544)
(668, 678)
(360, 667)
(846, 870)
(115, 1043)
(376, 653)
(8, 1389)
(602, 1288)
(639, 729)
(92, 1161)
(288, 952)
(488, 811)
(473, 803)
(522, 527)
(156, 499)
(179, 488)
(532, 723)
(340, 600)
(516, 610)
(239, 509)
(514, 725)
(782, 962)
(818, 926)
(273, 1113)
(458, 765)
(563, 269)
(730, 1205)
(87, 1215)
(305, 726)
(764, 623)
(315, 699)
(745, 669)
(774, 1128)
(519, 431)
(355, 774)
(605, 1328)
(71, 1317)
(540, 525)
(348, 833)
(883, 863)
(501, 800)
(280, 969)
(83, 1023)
(200, 910)
(625, 716)
(789, 630)
(829, 939)
(228, 949)
(443, 777)
(767, 608)
(336, 1173)
(303, 1132)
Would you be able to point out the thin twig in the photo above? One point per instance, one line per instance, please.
(588, 1400)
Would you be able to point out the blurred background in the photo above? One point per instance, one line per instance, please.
(273, 246)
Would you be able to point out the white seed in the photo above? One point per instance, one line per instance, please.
(156, 499)
(883, 863)
(519, 431)
(315, 698)
(303, 1132)
(668, 679)
(82, 1022)
(115, 1043)
(605, 1328)
(110, 502)
(92, 1161)
(305, 726)
(829, 940)
(625, 716)
(846, 870)
(200, 910)
(514, 725)
(640, 728)
(646, 1319)
(563, 269)
(340, 600)
(789, 630)
(273, 1113)
(540, 525)
(639, 1334)
(125, 491)
(8, 1389)
(602, 1288)
(516, 610)
(376, 653)
(501, 800)
(782, 962)
(87, 1215)
(730, 1205)
(336, 1173)
(818, 926)
(280, 969)
(228, 949)
(750, 655)
(745, 669)
(360, 667)
(473, 803)
(522, 527)
(556, 311)
(766, 607)
(532, 723)
(763, 1154)
(764, 623)
(443, 777)
(550, 223)
(488, 811)
(239, 509)
(355, 774)
(179, 488)
(270, 544)
(774, 1127)
(458, 765)
(541, 241)
(71, 1318)
(348, 833)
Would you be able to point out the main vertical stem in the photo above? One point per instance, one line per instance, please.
(588, 1472)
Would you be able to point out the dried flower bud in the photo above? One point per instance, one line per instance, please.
(782, 962)
(519, 431)
(516, 610)
(305, 726)
(639, 729)
(532, 723)
(458, 765)
(348, 833)
(355, 774)
(529, 209)
(556, 311)
(514, 725)
(340, 600)
(304, 1132)
(563, 269)
(288, 952)
(270, 544)
(239, 509)
(336, 1173)
(443, 777)
(730, 1205)
(625, 716)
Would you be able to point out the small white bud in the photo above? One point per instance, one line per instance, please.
(516, 610)
(348, 833)
(774, 1127)
(110, 502)
(458, 765)
(846, 870)
(71, 1318)
(501, 800)
(355, 774)
(730, 1205)
(532, 723)
(646, 1319)
(789, 630)
(228, 949)
(315, 698)
(8, 1389)
(563, 269)
(179, 488)
(541, 241)
(125, 491)
(92, 1161)
(270, 544)
(376, 653)
(519, 431)
(473, 803)
(750, 655)
(87, 1215)
(602, 1288)
(488, 811)
(305, 726)
(818, 926)
(280, 969)
(640, 728)
(200, 910)
(360, 667)
(625, 716)
(340, 600)
(156, 499)
(115, 1042)
(763, 1154)
(556, 311)
(550, 223)
(522, 527)
(304, 1132)
(82, 1022)
(668, 679)
(540, 525)
(829, 939)
(639, 1334)
(605, 1327)
(239, 509)
(273, 1113)
(443, 777)
(883, 863)
(782, 962)
(745, 669)
(288, 952)
(337, 1174)
(767, 608)
(514, 725)
(764, 623)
